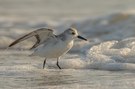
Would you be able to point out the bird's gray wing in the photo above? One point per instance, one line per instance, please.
(41, 35)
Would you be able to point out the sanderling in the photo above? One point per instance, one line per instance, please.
(49, 45)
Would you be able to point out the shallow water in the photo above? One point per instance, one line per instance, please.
(65, 79)
(22, 72)
(19, 71)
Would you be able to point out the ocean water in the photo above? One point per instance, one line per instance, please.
(105, 61)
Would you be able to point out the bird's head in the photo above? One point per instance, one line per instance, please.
(72, 33)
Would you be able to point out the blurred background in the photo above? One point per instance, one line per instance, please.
(61, 9)
(18, 17)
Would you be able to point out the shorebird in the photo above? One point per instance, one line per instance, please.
(49, 45)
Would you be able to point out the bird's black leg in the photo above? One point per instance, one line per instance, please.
(58, 63)
(44, 63)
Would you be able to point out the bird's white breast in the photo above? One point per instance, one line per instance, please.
(54, 48)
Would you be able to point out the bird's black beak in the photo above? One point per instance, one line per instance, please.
(80, 37)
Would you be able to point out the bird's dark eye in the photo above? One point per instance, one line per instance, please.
(73, 33)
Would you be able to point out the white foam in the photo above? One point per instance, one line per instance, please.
(117, 56)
